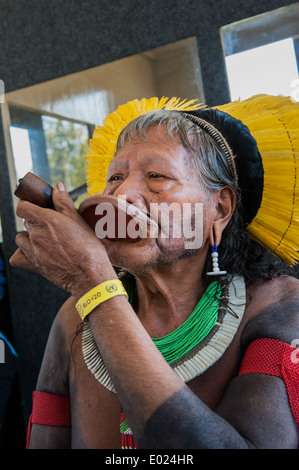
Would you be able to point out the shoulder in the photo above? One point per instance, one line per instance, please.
(67, 319)
(272, 310)
(267, 292)
(65, 326)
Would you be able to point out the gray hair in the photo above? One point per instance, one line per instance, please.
(239, 253)
(208, 159)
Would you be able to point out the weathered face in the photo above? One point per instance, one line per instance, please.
(155, 174)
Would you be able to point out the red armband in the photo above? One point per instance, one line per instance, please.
(50, 410)
(273, 357)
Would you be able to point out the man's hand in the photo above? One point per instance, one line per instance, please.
(60, 246)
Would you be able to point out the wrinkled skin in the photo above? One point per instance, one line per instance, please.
(227, 411)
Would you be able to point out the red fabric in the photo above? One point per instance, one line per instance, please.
(273, 357)
(50, 410)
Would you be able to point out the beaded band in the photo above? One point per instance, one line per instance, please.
(200, 358)
(221, 141)
(99, 294)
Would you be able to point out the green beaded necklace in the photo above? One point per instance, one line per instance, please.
(179, 342)
(181, 348)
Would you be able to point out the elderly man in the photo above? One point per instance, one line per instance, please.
(198, 350)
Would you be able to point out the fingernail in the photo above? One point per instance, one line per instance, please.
(60, 186)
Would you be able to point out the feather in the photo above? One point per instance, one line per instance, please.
(274, 122)
(102, 145)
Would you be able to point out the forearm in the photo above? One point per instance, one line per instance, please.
(142, 378)
(49, 437)
(184, 422)
(161, 409)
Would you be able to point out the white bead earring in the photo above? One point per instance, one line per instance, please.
(216, 270)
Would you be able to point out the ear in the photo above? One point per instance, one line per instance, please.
(225, 203)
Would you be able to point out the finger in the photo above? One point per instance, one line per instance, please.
(23, 242)
(30, 212)
(20, 260)
(63, 202)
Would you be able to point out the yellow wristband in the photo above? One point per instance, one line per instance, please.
(99, 294)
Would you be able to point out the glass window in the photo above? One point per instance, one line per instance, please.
(66, 146)
(21, 150)
(262, 54)
(50, 146)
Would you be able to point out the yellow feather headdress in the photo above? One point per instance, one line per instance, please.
(273, 121)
